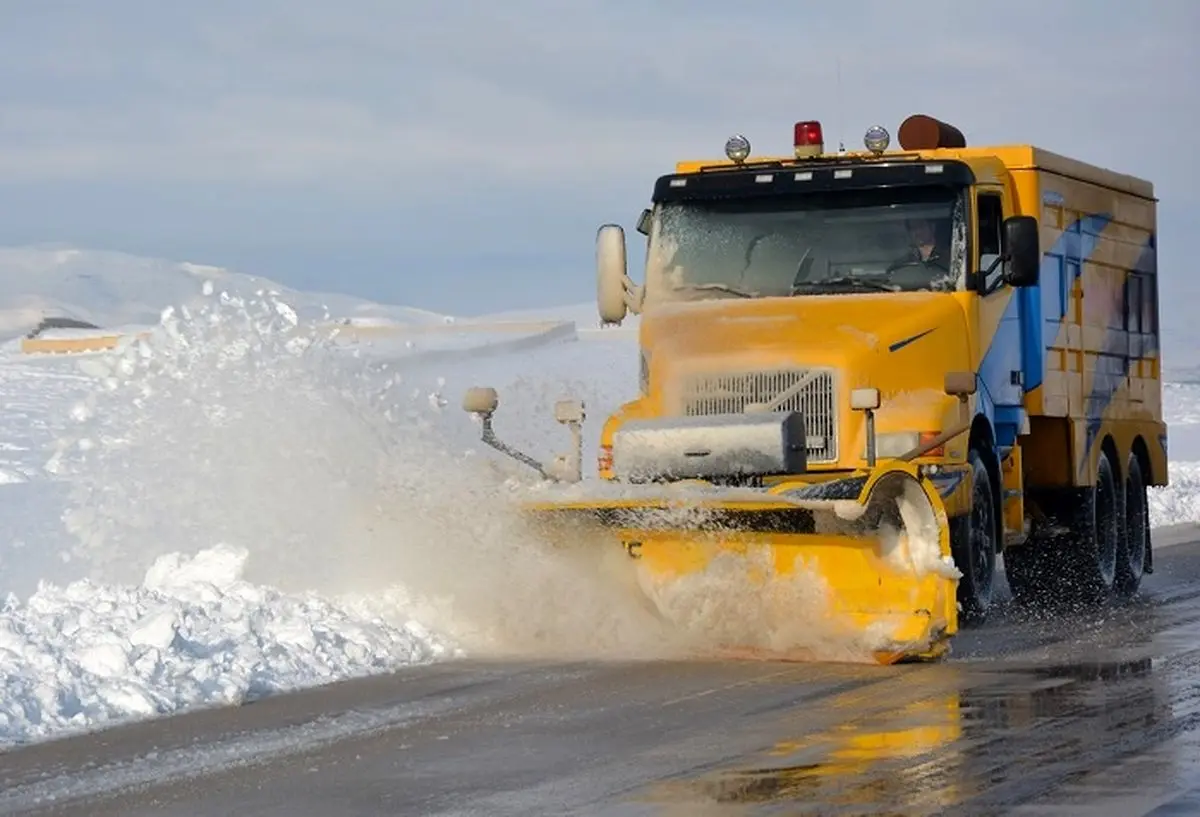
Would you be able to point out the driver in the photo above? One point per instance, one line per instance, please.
(929, 243)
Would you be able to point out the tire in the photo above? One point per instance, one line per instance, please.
(1098, 544)
(1135, 535)
(1083, 566)
(974, 545)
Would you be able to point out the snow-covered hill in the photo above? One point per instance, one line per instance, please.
(583, 315)
(110, 289)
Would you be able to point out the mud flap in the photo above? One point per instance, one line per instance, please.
(783, 572)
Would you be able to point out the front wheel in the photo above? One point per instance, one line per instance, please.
(973, 544)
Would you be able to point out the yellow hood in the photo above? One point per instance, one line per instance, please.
(820, 330)
(901, 343)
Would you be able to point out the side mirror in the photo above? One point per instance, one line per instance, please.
(611, 273)
(616, 293)
(482, 400)
(1021, 241)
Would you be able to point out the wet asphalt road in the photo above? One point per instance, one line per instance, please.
(1099, 715)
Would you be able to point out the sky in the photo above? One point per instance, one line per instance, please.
(459, 155)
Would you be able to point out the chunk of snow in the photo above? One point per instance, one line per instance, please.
(192, 633)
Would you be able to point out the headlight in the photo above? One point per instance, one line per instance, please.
(897, 443)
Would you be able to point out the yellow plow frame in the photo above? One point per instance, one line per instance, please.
(850, 565)
(872, 564)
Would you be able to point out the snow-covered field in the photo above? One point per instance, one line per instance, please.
(236, 505)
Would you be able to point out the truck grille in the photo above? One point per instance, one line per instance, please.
(731, 392)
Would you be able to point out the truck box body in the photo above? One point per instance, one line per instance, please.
(1090, 336)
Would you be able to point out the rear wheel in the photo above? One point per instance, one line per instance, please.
(1135, 537)
(1078, 559)
(973, 544)
(1098, 543)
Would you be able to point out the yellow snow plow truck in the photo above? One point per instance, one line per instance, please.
(880, 370)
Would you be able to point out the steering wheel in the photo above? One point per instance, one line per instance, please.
(911, 274)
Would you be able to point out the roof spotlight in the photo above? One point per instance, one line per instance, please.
(877, 139)
(737, 148)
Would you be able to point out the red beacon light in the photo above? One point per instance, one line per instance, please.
(808, 139)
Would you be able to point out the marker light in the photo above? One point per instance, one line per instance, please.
(737, 148)
(808, 139)
(877, 139)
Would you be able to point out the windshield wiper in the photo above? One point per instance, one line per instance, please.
(852, 281)
(718, 287)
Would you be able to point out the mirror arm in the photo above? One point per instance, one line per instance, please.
(634, 296)
(982, 276)
(489, 437)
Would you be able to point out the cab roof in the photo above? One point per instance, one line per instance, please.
(1012, 157)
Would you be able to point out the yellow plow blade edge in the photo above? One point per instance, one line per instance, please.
(854, 569)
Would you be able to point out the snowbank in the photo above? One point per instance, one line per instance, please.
(1178, 502)
(192, 633)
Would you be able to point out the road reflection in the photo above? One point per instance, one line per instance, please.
(942, 739)
(876, 762)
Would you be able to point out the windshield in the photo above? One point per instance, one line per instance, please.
(879, 240)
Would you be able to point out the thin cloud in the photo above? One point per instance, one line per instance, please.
(369, 92)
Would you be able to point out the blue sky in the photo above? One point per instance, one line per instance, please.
(459, 155)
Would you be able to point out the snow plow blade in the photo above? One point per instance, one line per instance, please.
(863, 559)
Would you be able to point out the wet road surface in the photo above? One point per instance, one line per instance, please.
(1097, 715)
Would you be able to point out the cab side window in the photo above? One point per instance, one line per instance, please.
(991, 216)
(991, 231)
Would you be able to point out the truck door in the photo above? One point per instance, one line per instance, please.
(1000, 318)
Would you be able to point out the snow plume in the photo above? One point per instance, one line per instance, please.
(213, 429)
(741, 604)
(235, 425)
